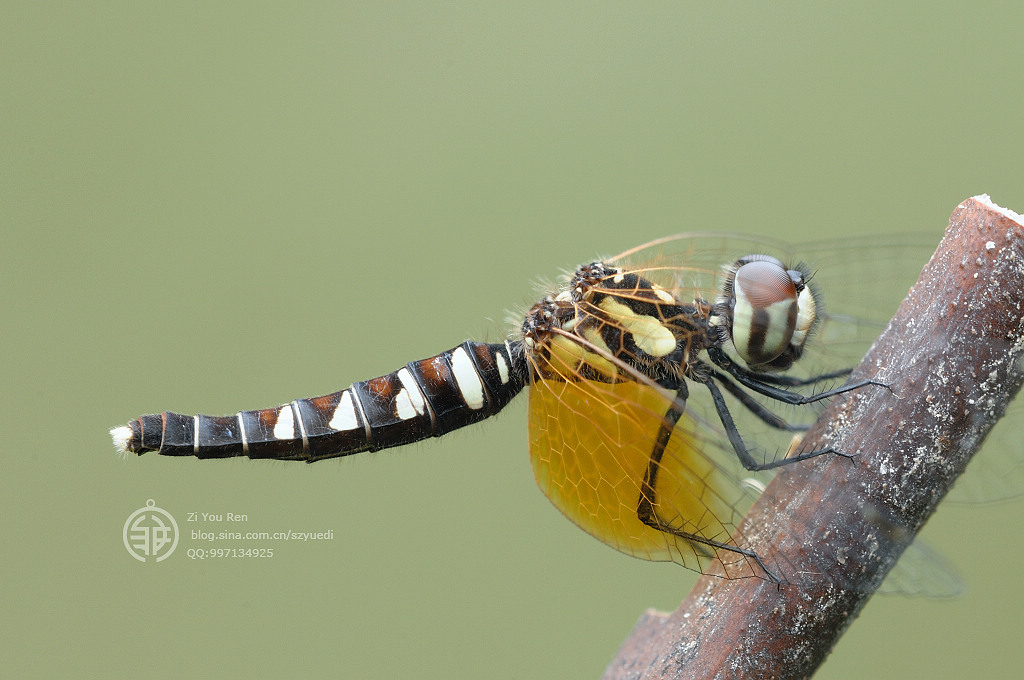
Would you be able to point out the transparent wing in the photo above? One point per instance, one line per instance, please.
(862, 281)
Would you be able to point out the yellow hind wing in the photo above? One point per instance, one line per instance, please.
(591, 445)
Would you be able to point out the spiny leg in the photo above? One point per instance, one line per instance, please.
(647, 506)
(757, 408)
(792, 381)
(737, 441)
(746, 379)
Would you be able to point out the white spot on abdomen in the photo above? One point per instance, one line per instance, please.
(409, 402)
(467, 379)
(285, 427)
(241, 432)
(344, 417)
(403, 407)
(502, 367)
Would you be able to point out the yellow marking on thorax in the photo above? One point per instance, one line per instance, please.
(663, 294)
(567, 352)
(649, 333)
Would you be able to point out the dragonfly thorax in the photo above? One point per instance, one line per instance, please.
(608, 323)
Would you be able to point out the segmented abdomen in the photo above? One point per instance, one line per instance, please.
(426, 398)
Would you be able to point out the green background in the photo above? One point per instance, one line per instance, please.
(215, 206)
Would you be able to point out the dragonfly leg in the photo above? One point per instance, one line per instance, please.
(747, 379)
(740, 448)
(764, 414)
(647, 506)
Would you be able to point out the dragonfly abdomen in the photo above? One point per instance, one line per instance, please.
(425, 398)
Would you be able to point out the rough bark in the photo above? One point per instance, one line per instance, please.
(952, 358)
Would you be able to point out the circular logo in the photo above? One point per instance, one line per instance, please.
(150, 533)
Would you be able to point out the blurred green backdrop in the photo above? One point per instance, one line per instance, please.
(215, 206)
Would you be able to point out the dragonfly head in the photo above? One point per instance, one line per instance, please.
(768, 309)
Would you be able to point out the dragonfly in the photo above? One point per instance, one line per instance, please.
(664, 384)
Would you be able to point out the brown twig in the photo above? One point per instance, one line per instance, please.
(952, 358)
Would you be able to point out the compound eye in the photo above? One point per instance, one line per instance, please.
(765, 310)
